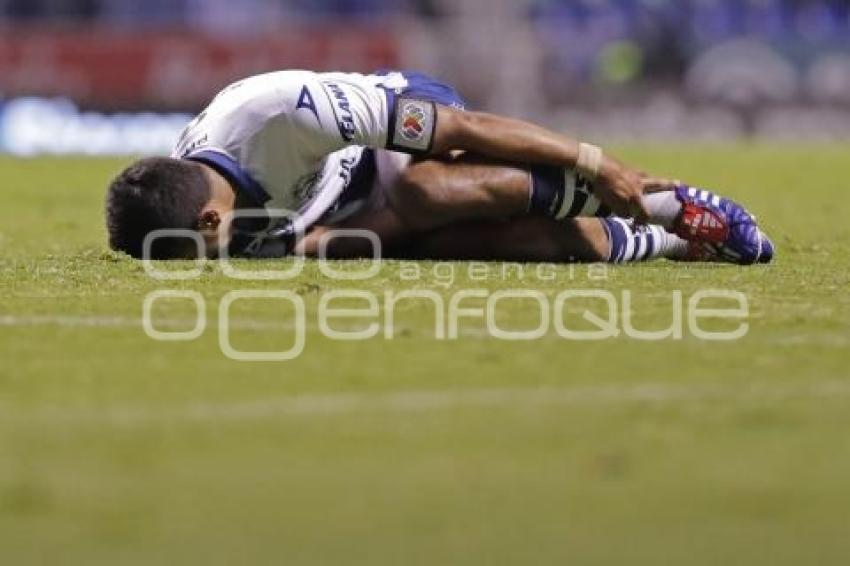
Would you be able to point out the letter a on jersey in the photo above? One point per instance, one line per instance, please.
(305, 100)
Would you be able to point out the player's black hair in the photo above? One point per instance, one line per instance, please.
(153, 194)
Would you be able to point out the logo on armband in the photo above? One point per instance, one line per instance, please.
(414, 125)
(413, 121)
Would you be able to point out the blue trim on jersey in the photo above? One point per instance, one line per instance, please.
(422, 87)
(238, 177)
(362, 180)
(357, 191)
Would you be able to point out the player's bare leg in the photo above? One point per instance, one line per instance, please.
(521, 238)
(524, 238)
(434, 193)
(473, 208)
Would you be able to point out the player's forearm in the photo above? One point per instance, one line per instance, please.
(517, 141)
(503, 138)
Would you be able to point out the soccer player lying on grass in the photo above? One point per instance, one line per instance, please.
(398, 154)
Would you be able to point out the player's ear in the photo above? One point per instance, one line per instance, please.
(209, 220)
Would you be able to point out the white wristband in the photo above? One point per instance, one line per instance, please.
(589, 160)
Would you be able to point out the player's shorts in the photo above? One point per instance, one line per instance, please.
(377, 170)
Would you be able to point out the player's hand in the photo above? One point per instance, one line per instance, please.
(658, 184)
(621, 188)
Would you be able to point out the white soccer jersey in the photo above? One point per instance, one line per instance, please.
(292, 138)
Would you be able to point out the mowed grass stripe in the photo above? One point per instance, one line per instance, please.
(441, 400)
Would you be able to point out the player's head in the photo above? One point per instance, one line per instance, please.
(159, 193)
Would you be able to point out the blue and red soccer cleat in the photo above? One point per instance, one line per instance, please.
(720, 229)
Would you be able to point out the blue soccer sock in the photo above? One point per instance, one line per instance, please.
(631, 243)
(561, 193)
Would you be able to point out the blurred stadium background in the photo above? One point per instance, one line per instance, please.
(119, 449)
(105, 76)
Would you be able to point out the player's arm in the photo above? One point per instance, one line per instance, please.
(618, 186)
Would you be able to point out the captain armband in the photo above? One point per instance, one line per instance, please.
(413, 125)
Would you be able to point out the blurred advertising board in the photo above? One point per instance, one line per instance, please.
(31, 126)
(109, 69)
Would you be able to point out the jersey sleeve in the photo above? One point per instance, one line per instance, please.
(334, 110)
(312, 114)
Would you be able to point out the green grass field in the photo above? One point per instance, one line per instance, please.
(118, 449)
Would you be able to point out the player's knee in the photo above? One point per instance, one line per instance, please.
(417, 196)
